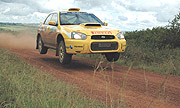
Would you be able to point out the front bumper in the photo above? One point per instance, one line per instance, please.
(87, 46)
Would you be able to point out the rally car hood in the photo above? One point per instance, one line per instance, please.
(90, 29)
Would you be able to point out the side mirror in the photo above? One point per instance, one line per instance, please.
(105, 23)
(52, 23)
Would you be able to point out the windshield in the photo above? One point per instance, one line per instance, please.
(76, 18)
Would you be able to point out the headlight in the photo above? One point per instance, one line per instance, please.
(77, 35)
(120, 35)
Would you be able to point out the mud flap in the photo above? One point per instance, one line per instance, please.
(57, 50)
(37, 43)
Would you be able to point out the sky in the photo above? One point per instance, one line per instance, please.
(126, 15)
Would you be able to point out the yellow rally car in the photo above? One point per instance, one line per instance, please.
(74, 32)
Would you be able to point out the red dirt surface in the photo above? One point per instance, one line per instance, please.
(140, 87)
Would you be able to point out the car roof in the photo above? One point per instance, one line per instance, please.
(73, 11)
(69, 10)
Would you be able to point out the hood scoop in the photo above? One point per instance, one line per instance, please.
(91, 24)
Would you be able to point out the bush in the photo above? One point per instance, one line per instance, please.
(154, 47)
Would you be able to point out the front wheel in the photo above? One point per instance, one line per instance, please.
(64, 58)
(112, 57)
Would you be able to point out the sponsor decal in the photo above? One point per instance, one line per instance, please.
(78, 46)
(101, 32)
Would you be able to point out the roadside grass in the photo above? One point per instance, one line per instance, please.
(152, 59)
(22, 85)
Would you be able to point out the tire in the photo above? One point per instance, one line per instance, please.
(41, 47)
(112, 57)
(64, 58)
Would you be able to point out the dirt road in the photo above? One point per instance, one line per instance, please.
(134, 88)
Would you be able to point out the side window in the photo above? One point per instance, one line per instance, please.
(48, 19)
(55, 18)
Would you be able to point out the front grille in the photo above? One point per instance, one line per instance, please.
(104, 46)
(99, 37)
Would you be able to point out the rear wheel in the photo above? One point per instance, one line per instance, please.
(64, 58)
(41, 47)
(112, 57)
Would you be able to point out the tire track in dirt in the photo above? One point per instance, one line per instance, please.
(139, 89)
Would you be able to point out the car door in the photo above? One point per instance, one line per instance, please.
(46, 29)
(51, 36)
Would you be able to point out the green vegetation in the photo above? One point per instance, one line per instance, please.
(152, 49)
(21, 85)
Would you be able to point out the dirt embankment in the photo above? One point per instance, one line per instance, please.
(136, 88)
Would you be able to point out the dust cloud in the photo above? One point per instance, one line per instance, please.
(23, 40)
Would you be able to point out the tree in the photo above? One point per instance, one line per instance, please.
(175, 30)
